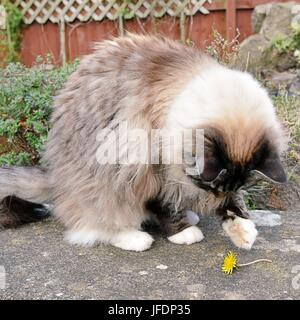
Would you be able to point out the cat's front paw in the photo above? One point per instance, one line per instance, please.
(242, 232)
(132, 240)
(187, 236)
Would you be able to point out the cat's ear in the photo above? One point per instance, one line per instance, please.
(272, 169)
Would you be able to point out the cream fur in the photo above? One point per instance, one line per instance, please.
(150, 82)
(230, 100)
(188, 236)
(242, 232)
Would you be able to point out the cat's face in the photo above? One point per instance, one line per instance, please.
(223, 172)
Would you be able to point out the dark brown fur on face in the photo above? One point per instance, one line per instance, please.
(262, 156)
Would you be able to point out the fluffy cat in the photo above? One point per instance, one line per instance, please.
(150, 82)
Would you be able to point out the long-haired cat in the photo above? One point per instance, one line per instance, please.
(151, 83)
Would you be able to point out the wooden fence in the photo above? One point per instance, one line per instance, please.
(72, 37)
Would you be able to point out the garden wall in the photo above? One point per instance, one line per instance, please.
(224, 16)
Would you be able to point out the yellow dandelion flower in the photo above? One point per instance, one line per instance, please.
(230, 262)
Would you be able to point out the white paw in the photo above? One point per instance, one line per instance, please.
(83, 237)
(242, 232)
(187, 236)
(133, 240)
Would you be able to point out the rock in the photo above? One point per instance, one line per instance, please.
(252, 52)
(272, 21)
(279, 61)
(287, 80)
(295, 9)
(277, 23)
(258, 16)
(295, 21)
(2, 17)
(295, 86)
(283, 80)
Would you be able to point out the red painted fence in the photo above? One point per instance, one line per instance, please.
(225, 16)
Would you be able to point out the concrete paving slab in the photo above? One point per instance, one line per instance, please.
(39, 264)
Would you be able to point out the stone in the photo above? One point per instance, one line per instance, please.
(295, 23)
(283, 80)
(287, 80)
(295, 86)
(194, 271)
(2, 17)
(277, 23)
(252, 53)
(272, 21)
(258, 16)
(279, 61)
(295, 9)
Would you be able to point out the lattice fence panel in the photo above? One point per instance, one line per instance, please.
(55, 11)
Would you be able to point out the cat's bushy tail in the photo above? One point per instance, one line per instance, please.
(23, 191)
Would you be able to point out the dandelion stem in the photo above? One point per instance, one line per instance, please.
(252, 262)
